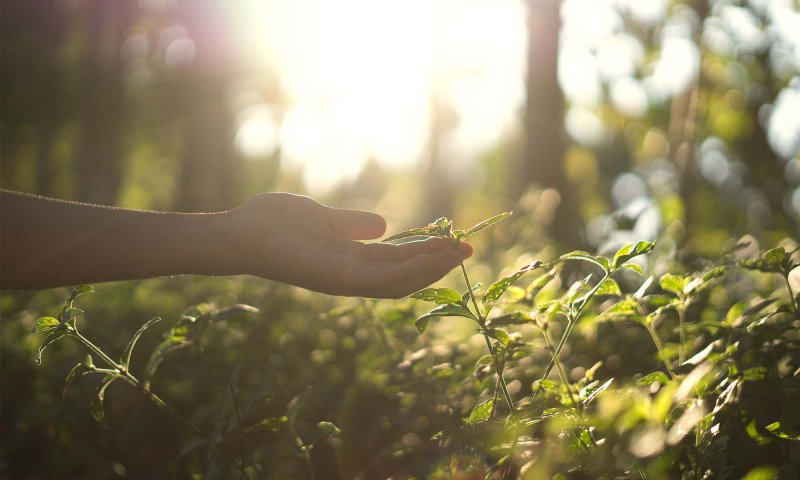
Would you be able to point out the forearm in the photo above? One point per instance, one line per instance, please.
(46, 243)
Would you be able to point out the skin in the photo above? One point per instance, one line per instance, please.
(277, 236)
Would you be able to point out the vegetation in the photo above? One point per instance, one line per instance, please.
(636, 317)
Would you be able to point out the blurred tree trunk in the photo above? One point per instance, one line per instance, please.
(103, 101)
(544, 120)
(208, 172)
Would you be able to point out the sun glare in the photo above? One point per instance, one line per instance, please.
(360, 78)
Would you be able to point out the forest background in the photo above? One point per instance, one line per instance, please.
(599, 123)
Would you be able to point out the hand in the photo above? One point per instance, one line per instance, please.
(293, 239)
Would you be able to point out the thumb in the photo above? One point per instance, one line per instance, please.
(353, 224)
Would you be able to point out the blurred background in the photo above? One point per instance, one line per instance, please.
(599, 122)
(616, 115)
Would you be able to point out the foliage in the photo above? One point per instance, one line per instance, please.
(604, 373)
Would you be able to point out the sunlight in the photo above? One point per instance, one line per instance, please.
(359, 77)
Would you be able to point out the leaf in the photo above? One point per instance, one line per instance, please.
(609, 287)
(597, 392)
(580, 255)
(82, 289)
(163, 349)
(485, 224)
(481, 412)
(126, 354)
(635, 267)
(70, 314)
(672, 283)
(440, 296)
(448, 310)
(79, 370)
(441, 227)
(515, 318)
(96, 404)
(496, 289)
(783, 431)
(328, 429)
(763, 472)
(655, 377)
(775, 260)
(700, 356)
(499, 335)
(45, 324)
(541, 281)
(231, 311)
(55, 335)
(271, 424)
(630, 251)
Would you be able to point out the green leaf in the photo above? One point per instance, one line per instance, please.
(485, 224)
(231, 311)
(271, 424)
(541, 281)
(635, 267)
(764, 472)
(672, 283)
(630, 251)
(171, 344)
(481, 412)
(655, 377)
(609, 287)
(45, 324)
(79, 370)
(700, 356)
(496, 289)
(54, 335)
(580, 255)
(126, 354)
(515, 318)
(441, 227)
(597, 391)
(699, 284)
(499, 335)
(775, 260)
(484, 360)
(328, 429)
(82, 289)
(448, 310)
(70, 314)
(783, 431)
(440, 296)
(96, 404)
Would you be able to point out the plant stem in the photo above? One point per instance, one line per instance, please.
(681, 319)
(133, 381)
(571, 321)
(660, 348)
(492, 352)
(791, 295)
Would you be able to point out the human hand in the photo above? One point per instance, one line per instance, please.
(293, 239)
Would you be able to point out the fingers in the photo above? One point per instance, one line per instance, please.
(352, 224)
(382, 252)
(396, 280)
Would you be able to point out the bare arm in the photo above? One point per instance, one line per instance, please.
(284, 237)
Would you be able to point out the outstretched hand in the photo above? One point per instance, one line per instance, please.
(293, 239)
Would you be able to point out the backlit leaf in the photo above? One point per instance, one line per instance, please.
(448, 310)
(96, 404)
(485, 224)
(580, 255)
(496, 289)
(126, 354)
(630, 251)
(45, 324)
(672, 283)
(328, 429)
(440, 296)
(481, 412)
(609, 287)
(54, 335)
